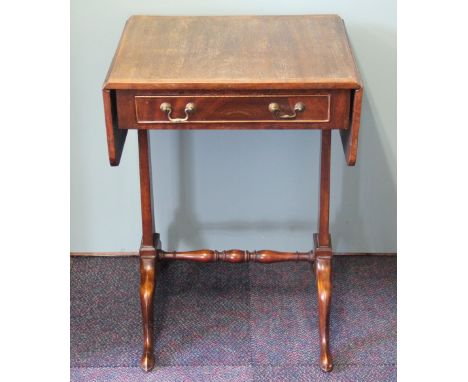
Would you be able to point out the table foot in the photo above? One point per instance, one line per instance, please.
(147, 361)
(326, 363)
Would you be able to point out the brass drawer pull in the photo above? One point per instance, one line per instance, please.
(274, 108)
(167, 108)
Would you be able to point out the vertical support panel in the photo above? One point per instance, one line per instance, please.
(324, 206)
(146, 188)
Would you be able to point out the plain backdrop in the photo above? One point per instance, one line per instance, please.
(233, 189)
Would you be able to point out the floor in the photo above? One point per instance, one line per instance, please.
(233, 322)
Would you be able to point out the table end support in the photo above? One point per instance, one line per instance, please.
(323, 254)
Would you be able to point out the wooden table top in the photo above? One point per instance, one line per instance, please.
(234, 52)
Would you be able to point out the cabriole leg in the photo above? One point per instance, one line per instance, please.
(147, 284)
(324, 289)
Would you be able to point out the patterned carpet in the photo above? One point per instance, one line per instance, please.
(233, 322)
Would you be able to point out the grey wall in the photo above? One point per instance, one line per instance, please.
(223, 190)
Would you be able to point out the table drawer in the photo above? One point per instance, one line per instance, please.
(319, 110)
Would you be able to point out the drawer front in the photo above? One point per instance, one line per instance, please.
(320, 110)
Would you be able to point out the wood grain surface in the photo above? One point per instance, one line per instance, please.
(237, 52)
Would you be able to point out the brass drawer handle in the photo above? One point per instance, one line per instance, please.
(274, 108)
(167, 108)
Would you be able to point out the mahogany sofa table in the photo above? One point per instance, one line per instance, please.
(233, 72)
